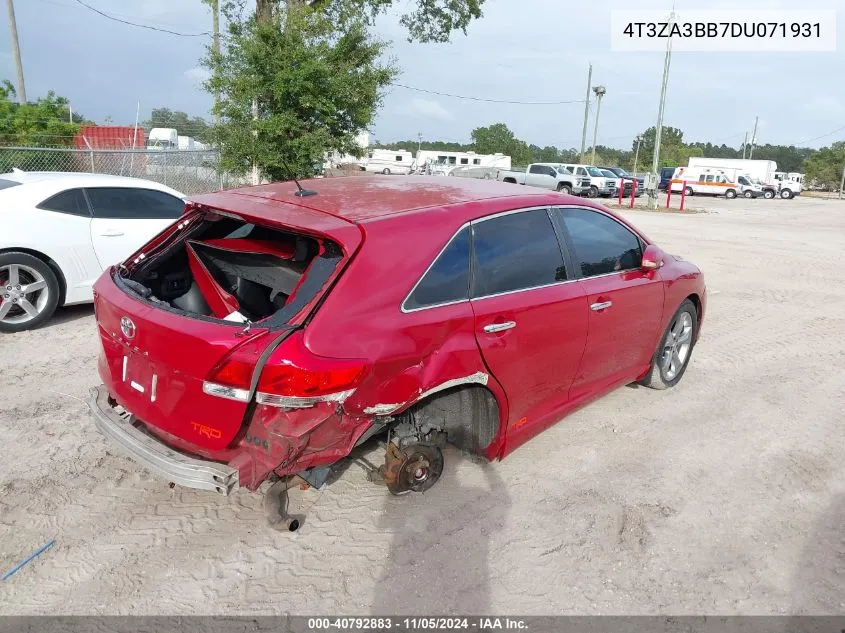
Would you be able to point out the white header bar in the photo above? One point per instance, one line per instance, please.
(723, 30)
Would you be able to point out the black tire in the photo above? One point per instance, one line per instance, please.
(594, 191)
(386, 171)
(786, 194)
(564, 188)
(768, 194)
(657, 376)
(730, 194)
(689, 191)
(748, 194)
(53, 289)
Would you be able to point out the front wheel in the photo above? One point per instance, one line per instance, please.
(786, 194)
(385, 171)
(730, 194)
(29, 292)
(768, 194)
(675, 349)
(564, 188)
(594, 191)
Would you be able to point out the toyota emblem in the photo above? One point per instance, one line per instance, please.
(127, 327)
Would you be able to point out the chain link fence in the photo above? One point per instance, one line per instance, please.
(187, 171)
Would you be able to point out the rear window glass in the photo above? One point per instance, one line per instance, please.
(447, 281)
(5, 184)
(71, 202)
(515, 252)
(134, 204)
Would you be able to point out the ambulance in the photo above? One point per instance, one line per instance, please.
(715, 182)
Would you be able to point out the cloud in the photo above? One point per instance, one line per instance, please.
(431, 108)
(197, 74)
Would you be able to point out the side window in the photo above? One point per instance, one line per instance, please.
(398, 159)
(535, 169)
(476, 161)
(134, 204)
(514, 252)
(708, 178)
(602, 245)
(743, 181)
(71, 202)
(465, 161)
(581, 171)
(447, 280)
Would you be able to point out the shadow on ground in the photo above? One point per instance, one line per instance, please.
(440, 542)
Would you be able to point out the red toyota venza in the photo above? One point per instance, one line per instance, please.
(272, 329)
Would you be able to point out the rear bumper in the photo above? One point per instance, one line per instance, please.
(153, 454)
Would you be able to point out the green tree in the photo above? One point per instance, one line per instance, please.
(498, 138)
(825, 166)
(316, 84)
(43, 123)
(195, 127)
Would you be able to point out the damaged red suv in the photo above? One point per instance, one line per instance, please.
(272, 329)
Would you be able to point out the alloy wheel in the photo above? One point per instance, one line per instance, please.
(23, 293)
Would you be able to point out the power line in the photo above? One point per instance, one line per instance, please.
(142, 26)
(454, 96)
(810, 140)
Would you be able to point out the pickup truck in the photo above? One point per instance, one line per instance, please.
(547, 176)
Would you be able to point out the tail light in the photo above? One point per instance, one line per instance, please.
(293, 377)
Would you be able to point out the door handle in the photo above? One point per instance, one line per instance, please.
(499, 327)
(603, 305)
(112, 233)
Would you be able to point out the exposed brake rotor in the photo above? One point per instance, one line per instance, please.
(414, 468)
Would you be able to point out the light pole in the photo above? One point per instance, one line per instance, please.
(600, 91)
(586, 113)
(652, 177)
(637, 154)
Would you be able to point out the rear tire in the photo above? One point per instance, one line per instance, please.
(748, 194)
(386, 171)
(689, 191)
(768, 194)
(730, 194)
(673, 354)
(21, 310)
(786, 194)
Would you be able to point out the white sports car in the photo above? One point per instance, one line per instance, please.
(59, 231)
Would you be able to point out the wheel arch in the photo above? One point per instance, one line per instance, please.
(472, 415)
(47, 260)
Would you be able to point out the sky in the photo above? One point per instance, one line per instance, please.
(521, 50)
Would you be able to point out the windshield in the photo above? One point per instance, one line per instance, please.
(608, 173)
(594, 171)
(620, 172)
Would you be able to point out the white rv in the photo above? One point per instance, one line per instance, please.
(443, 162)
(389, 161)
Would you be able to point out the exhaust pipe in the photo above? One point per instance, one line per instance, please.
(276, 505)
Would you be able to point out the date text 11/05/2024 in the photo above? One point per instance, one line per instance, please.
(722, 29)
(416, 624)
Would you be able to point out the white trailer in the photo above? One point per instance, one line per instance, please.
(389, 161)
(443, 162)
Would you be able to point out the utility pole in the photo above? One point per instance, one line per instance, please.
(753, 139)
(842, 183)
(16, 51)
(419, 143)
(744, 145)
(586, 113)
(599, 90)
(637, 154)
(655, 161)
(215, 49)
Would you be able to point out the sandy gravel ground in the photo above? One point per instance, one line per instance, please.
(725, 495)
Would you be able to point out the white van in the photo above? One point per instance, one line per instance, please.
(706, 182)
(389, 161)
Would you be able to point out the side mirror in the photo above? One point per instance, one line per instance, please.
(652, 257)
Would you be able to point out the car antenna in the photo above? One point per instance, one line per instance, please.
(301, 192)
